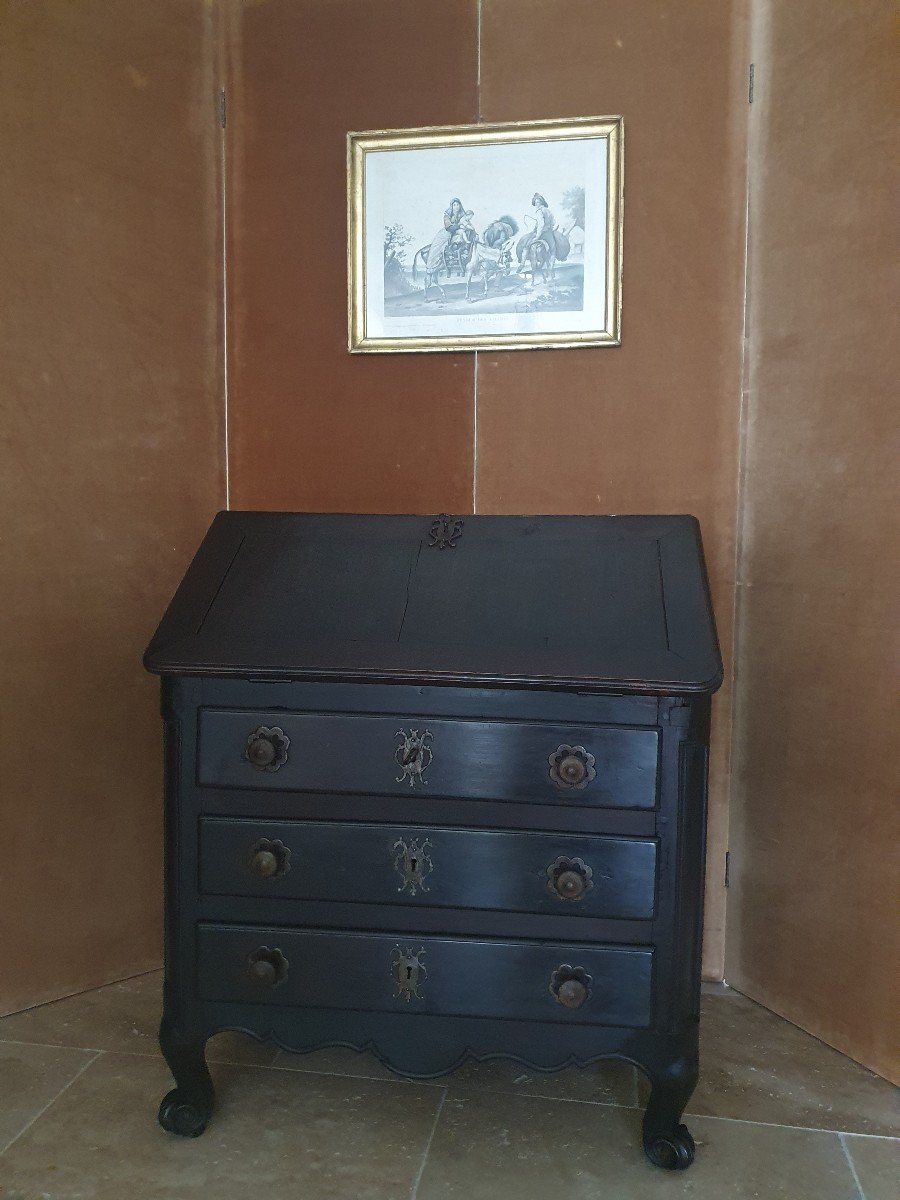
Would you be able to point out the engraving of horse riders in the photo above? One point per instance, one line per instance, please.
(491, 258)
(542, 247)
(449, 249)
(457, 248)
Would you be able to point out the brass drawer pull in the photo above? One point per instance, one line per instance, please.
(407, 972)
(412, 862)
(569, 878)
(269, 859)
(267, 748)
(267, 968)
(572, 767)
(571, 985)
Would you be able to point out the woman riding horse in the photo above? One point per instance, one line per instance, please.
(456, 220)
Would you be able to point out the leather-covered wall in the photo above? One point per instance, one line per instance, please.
(812, 929)
(311, 427)
(112, 460)
(649, 426)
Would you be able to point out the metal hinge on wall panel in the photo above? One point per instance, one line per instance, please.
(750, 73)
(220, 108)
(728, 868)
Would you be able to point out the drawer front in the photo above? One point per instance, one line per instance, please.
(379, 755)
(459, 868)
(452, 976)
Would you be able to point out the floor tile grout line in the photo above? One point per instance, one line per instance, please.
(213, 1062)
(37, 1116)
(852, 1165)
(569, 1100)
(445, 1087)
(688, 1115)
(879, 1137)
(276, 1066)
(218, 1062)
(421, 1171)
(338, 1074)
(884, 1137)
(101, 987)
(60, 1046)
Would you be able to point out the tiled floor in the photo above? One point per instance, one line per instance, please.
(776, 1115)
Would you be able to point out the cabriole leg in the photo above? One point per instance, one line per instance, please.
(187, 1108)
(667, 1143)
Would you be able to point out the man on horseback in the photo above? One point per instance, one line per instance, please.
(543, 231)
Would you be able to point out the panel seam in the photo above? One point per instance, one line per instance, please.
(224, 252)
(751, 47)
(475, 435)
(475, 359)
(478, 64)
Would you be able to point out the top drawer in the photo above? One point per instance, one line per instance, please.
(403, 754)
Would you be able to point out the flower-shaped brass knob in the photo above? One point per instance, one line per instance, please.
(569, 878)
(571, 985)
(267, 749)
(266, 967)
(269, 859)
(572, 767)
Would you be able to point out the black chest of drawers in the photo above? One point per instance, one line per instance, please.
(437, 787)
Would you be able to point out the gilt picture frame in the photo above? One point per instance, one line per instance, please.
(485, 237)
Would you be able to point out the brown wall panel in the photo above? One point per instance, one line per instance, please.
(311, 427)
(812, 929)
(111, 461)
(651, 425)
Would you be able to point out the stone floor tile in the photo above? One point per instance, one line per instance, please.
(274, 1133)
(340, 1060)
(604, 1083)
(517, 1148)
(755, 1066)
(877, 1165)
(611, 1082)
(122, 1018)
(30, 1077)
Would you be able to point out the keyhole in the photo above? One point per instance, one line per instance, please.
(413, 863)
(408, 974)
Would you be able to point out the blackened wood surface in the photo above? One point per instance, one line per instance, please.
(586, 601)
(500, 760)
(498, 979)
(465, 868)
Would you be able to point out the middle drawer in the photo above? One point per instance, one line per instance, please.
(435, 867)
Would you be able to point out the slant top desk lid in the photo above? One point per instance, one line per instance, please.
(595, 603)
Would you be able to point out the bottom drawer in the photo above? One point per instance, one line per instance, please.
(534, 981)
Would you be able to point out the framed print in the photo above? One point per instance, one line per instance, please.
(485, 236)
